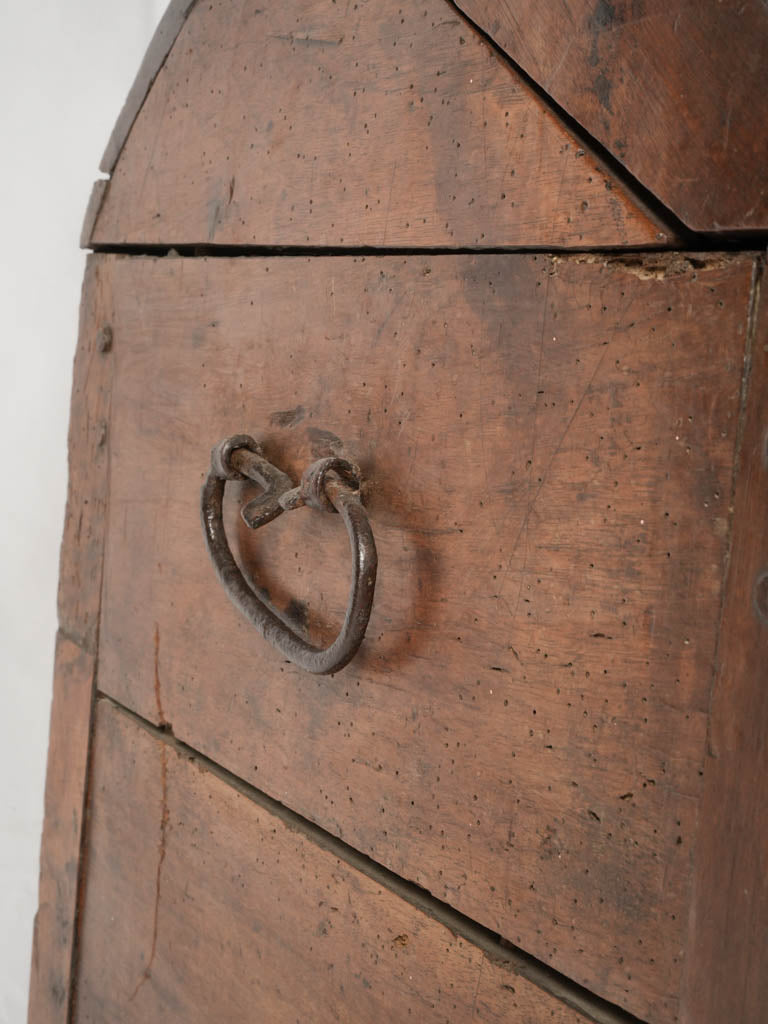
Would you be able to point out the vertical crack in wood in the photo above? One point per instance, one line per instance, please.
(162, 721)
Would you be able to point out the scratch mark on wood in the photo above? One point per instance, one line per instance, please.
(146, 974)
(477, 990)
(308, 40)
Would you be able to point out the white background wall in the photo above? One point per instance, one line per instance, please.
(65, 68)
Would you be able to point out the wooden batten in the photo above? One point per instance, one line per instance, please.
(728, 963)
(378, 125)
(80, 578)
(163, 39)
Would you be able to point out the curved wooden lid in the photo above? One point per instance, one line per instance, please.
(322, 126)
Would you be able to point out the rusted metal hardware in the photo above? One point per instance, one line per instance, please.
(330, 485)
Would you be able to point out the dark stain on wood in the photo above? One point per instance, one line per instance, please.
(288, 418)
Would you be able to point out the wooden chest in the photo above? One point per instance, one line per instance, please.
(504, 274)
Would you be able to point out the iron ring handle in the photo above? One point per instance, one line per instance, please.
(331, 485)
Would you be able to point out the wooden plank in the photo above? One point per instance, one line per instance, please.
(96, 198)
(729, 914)
(550, 444)
(203, 906)
(310, 123)
(79, 599)
(62, 830)
(82, 545)
(165, 35)
(673, 90)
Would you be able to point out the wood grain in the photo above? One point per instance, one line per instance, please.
(202, 906)
(672, 89)
(550, 445)
(80, 577)
(320, 124)
(165, 35)
(727, 981)
(82, 545)
(62, 830)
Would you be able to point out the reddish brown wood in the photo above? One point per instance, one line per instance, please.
(202, 906)
(731, 858)
(376, 125)
(550, 444)
(675, 90)
(79, 598)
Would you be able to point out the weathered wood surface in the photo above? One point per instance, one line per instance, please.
(79, 599)
(731, 859)
(550, 445)
(82, 544)
(165, 36)
(62, 831)
(96, 198)
(202, 906)
(675, 90)
(321, 124)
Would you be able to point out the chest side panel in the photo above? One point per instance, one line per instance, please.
(550, 446)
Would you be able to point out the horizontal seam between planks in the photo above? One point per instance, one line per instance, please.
(752, 246)
(494, 946)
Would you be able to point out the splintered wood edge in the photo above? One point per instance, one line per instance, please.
(165, 36)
